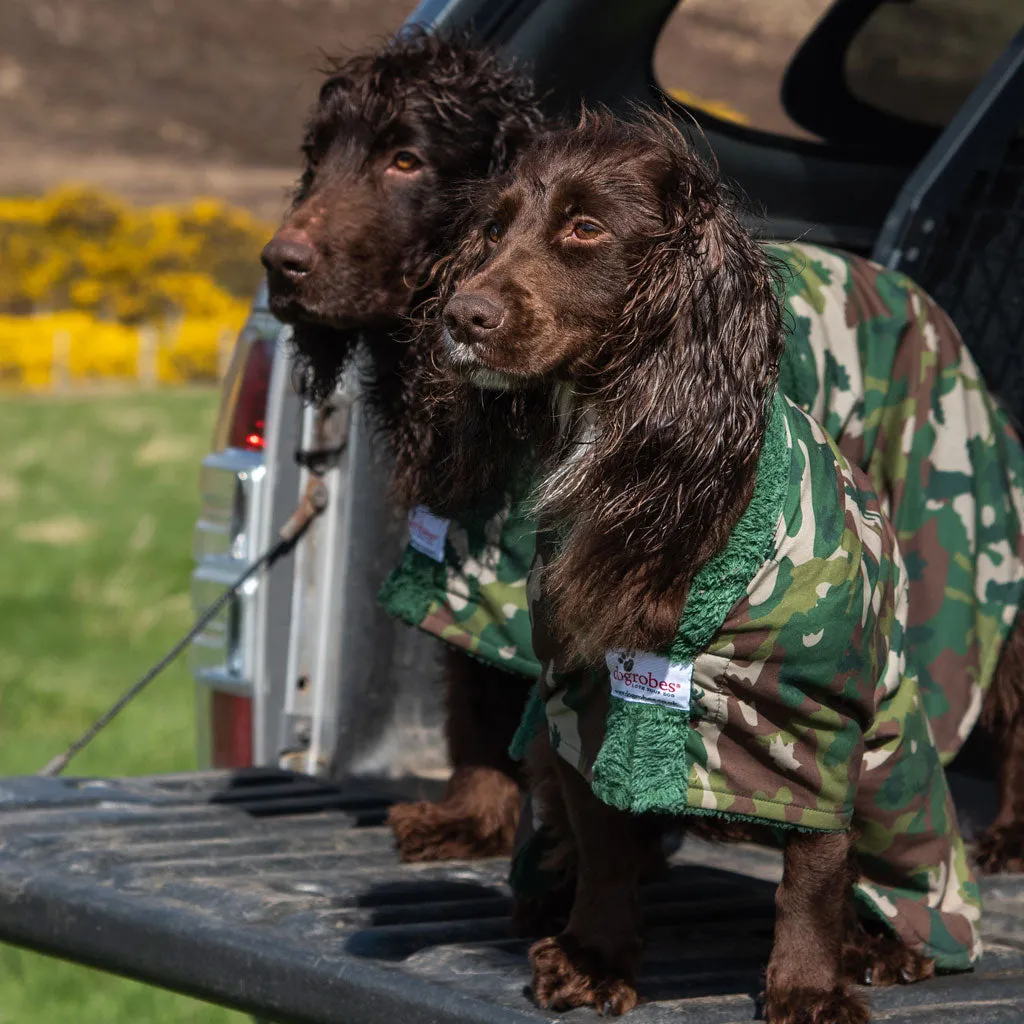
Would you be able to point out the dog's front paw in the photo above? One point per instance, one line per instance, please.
(566, 976)
(810, 1006)
(426, 832)
(883, 960)
(1001, 848)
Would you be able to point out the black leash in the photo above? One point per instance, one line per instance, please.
(314, 501)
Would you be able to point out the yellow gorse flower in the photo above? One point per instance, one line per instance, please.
(91, 287)
(50, 349)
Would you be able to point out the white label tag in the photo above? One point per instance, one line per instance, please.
(427, 532)
(646, 678)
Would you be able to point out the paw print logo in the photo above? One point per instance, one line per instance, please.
(626, 660)
(555, 736)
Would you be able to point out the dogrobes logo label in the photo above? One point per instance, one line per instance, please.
(649, 678)
(427, 532)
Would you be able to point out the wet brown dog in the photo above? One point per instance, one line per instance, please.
(387, 148)
(394, 135)
(611, 267)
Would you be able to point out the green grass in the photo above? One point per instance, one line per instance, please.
(98, 497)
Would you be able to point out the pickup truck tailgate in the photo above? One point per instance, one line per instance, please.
(281, 895)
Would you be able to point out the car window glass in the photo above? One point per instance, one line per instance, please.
(728, 57)
(920, 60)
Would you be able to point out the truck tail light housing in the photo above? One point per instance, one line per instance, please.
(230, 730)
(227, 535)
(246, 416)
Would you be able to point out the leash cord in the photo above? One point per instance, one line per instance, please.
(314, 501)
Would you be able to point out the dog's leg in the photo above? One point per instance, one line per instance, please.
(478, 815)
(593, 961)
(541, 915)
(804, 983)
(1001, 846)
(548, 913)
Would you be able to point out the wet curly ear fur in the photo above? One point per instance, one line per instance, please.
(680, 396)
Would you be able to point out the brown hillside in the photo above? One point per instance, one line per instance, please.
(166, 98)
(163, 99)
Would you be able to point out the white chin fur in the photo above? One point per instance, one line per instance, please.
(465, 361)
(491, 380)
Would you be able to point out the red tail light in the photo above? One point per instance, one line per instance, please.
(230, 730)
(231, 492)
(248, 418)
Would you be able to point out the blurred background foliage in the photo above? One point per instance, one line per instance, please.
(93, 288)
(80, 248)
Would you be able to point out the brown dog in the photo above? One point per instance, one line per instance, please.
(610, 275)
(394, 135)
(347, 265)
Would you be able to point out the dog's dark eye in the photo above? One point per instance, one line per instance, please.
(403, 160)
(494, 231)
(586, 230)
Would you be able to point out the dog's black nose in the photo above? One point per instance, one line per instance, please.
(469, 316)
(289, 254)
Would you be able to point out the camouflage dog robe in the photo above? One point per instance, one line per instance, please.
(873, 359)
(786, 697)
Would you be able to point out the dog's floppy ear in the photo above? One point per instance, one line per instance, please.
(686, 380)
(704, 311)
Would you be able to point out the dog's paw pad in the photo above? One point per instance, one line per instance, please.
(805, 1006)
(560, 984)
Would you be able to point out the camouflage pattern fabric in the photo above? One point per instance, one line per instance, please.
(881, 366)
(470, 590)
(872, 358)
(786, 698)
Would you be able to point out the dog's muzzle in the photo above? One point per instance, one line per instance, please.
(466, 363)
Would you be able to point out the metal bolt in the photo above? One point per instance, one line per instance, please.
(912, 253)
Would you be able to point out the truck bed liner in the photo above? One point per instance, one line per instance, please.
(282, 896)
